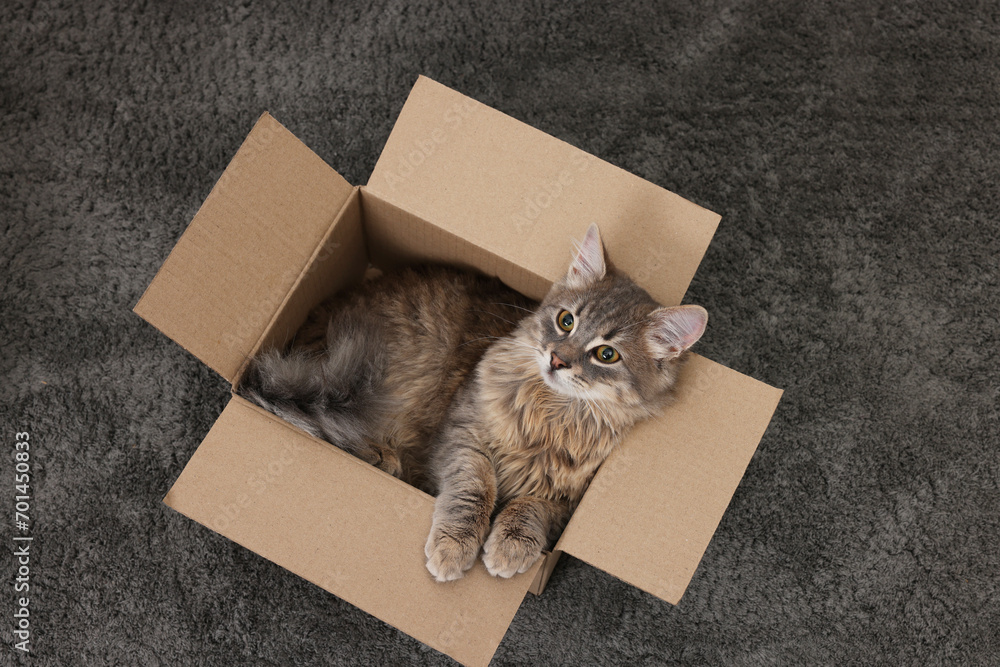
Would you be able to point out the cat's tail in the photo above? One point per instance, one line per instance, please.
(335, 394)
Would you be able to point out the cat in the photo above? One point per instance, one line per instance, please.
(501, 407)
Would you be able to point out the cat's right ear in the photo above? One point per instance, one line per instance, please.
(673, 330)
(588, 266)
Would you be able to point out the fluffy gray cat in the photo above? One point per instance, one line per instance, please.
(501, 407)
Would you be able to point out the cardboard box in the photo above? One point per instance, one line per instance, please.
(462, 183)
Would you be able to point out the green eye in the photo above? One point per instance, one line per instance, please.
(607, 354)
(565, 320)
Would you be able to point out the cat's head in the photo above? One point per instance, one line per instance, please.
(601, 337)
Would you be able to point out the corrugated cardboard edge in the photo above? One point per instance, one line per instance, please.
(343, 525)
(548, 566)
(235, 262)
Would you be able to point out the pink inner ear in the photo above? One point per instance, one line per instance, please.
(588, 264)
(678, 328)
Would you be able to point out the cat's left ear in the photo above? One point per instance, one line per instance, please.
(673, 330)
(588, 266)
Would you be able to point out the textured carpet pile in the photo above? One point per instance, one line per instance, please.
(852, 149)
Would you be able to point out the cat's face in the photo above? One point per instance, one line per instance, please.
(599, 337)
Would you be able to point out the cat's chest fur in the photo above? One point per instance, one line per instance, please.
(541, 443)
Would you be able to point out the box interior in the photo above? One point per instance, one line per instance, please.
(371, 232)
(653, 507)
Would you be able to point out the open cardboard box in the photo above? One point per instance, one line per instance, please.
(461, 183)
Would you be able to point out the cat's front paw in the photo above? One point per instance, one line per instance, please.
(390, 463)
(508, 553)
(447, 557)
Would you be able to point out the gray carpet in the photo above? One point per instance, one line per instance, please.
(852, 149)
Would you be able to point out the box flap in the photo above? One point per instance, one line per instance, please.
(654, 505)
(233, 266)
(343, 525)
(520, 193)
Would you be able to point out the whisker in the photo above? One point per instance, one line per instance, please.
(590, 408)
(500, 303)
(508, 339)
(518, 363)
(601, 410)
(480, 338)
(629, 327)
(486, 312)
(595, 406)
(521, 343)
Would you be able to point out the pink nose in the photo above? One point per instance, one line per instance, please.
(556, 363)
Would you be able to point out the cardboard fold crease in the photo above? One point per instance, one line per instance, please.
(457, 182)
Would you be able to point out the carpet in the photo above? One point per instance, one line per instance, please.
(852, 149)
